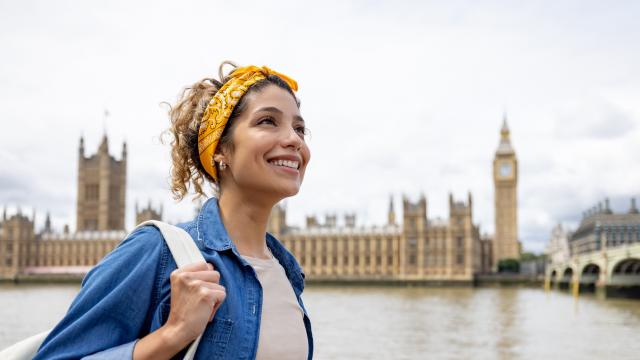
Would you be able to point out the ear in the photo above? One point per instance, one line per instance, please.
(218, 157)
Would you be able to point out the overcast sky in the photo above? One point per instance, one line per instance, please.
(401, 98)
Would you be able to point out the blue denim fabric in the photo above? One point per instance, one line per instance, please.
(127, 295)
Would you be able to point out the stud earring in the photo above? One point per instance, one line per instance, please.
(222, 165)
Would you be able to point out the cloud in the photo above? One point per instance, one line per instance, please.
(401, 98)
(593, 117)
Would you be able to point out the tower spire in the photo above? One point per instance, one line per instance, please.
(81, 146)
(104, 145)
(124, 150)
(505, 127)
(633, 209)
(505, 147)
(47, 223)
(392, 214)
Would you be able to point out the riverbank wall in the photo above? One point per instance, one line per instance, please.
(478, 281)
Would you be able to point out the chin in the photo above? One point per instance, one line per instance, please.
(290, 193)
(286, 191)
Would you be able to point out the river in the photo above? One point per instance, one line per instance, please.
(413, 323)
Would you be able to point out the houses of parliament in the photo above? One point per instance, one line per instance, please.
(410, 247)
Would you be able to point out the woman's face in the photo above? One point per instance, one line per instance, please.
(270, 154)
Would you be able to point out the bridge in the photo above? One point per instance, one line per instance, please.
(612, 271)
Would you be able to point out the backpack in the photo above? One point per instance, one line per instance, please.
(184, 251)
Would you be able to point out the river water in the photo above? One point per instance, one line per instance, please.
(413, 323)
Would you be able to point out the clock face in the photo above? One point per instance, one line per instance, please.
(505, 169)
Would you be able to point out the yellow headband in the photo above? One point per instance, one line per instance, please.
(221, 106)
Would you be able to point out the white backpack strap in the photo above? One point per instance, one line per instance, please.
(25, 349)
(184, 251)
(183, 248)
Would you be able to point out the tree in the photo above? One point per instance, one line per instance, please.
(509, 266)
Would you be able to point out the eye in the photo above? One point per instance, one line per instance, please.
(301, 130)
(267, 120)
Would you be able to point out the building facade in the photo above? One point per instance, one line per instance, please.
(604, 254)
(418, 248)
(101, 189)
(601, 228)
(100, 223)
(505, 179)
(558, 247)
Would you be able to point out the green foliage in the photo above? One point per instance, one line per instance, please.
(527, 256)
(509, 266)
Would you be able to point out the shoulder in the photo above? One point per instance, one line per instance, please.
(142, 249)
(145, 241)
(148, 239)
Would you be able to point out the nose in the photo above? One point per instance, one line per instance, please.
(291, 139)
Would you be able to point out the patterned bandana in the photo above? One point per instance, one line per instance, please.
(221, 106)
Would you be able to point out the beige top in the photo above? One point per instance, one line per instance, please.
(282, 332)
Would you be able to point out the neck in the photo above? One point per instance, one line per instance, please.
(246, 222)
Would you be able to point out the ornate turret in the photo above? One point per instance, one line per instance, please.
(311, 221)
(148, 213)
(81, 148)
(47, 223)
(350, 220)
(330, 220)
(391, 217)
(124, 150)
(101, 190)
(505, 147)
(104, 145)
(607, 209)
(277, 223)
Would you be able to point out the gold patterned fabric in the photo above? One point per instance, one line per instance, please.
(221, 106)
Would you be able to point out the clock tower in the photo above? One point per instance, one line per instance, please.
(505, 180)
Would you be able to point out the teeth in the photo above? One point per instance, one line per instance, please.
(287, 163)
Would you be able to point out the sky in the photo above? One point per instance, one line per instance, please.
(402, 99)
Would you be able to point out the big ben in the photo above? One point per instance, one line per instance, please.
(505, 179)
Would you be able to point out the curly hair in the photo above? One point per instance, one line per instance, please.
(186, 115)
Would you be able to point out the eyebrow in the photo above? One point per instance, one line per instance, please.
(278, 111)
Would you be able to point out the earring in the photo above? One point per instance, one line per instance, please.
(222, 165)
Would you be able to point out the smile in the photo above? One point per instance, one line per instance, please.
(286, 163)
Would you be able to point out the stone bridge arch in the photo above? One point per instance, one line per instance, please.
(625, 271)
(565, 277)
(589, 276)
(624, 278)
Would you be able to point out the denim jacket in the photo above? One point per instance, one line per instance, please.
(127, 296)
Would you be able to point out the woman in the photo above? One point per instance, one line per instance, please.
(245, 136)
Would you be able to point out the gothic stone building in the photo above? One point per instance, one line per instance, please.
(506, 244)
(601, 227)
(417, 249)
(100, 223)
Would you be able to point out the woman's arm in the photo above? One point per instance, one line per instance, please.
(116, 300)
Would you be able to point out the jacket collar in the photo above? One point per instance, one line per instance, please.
(212, 233)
